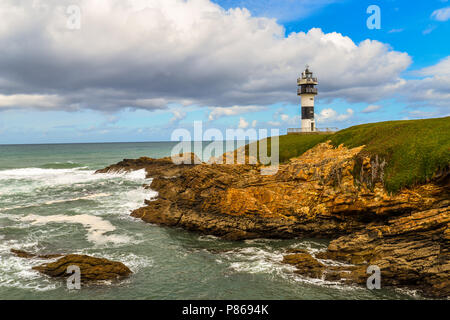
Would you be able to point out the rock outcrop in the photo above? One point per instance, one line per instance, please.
(327, 192)
(92, 269)
(305, 264)
(164, 167)
(409, 250)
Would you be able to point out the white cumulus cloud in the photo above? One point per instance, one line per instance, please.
(442, 14)
(433, 89)
(218, 112)
(177, 115)
(242, 123)
(331, 115)
(371, 108)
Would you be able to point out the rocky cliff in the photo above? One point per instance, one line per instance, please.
(327, 192)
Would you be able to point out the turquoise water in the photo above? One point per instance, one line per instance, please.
(52, 202)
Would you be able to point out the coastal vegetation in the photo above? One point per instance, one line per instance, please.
(414, 150)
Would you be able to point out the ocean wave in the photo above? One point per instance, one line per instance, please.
(97, 228)
(16, 272)
(133, 261)
(24, 181)
(88, 197)
(257, 260)
(67, 175)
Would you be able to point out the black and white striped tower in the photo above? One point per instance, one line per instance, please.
(307, 91)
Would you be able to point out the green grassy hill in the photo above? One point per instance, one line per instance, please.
(413, 149)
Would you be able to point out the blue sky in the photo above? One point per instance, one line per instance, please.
(73, 87)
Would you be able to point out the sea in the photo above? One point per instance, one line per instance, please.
(52, 202)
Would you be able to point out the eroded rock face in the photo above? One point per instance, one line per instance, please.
(91, 268)
(312, 195)
(317, 195)
(409, 250)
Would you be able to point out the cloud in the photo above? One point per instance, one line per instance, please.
(242, 123)
(274, 123)
(330, 115)
(178, 115)
(254, 122)
(149, 54)
(420, 114)
(41, 101)
(442, 14)
(442, 68)
(282, 10)
(428, 30)
(371, 108)
(218, 112)
(395, 30)
(433, 89)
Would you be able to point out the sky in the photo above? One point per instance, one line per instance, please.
(136, 70)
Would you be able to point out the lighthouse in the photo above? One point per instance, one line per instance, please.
(307, 91)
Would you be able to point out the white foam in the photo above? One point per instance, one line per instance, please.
(91, 196)
(38, 177)
(256, 260)
(96, 226)
(207, 238)
(131, 260)
(16, 272)
(312, 247)
(135, 175)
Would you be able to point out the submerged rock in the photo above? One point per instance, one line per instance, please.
(28, 255)
(91, 268)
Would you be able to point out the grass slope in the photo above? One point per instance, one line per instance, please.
(413, 149)
(293, 145)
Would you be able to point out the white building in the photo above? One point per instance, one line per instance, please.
(307, 91)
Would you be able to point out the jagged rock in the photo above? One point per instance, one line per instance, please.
(163, 167)
(91, 268)
(409, 250)
(305, 264)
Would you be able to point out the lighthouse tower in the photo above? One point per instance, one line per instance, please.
(307, 91)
